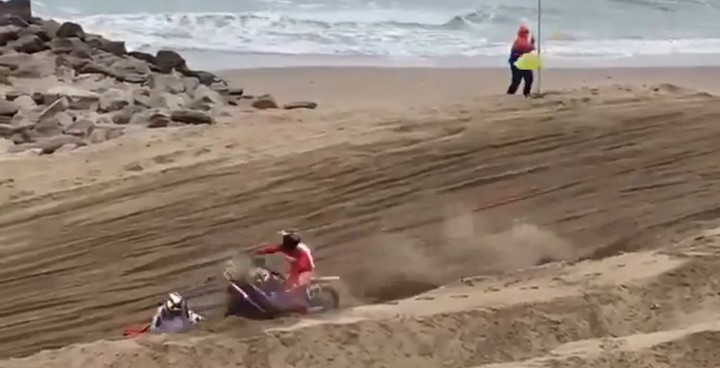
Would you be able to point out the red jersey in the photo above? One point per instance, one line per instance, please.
(301, 261)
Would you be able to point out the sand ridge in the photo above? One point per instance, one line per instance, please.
(489, 191)
(544, 329)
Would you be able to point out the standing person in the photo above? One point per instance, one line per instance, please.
(523, 44)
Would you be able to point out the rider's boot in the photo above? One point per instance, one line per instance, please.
(300, 301)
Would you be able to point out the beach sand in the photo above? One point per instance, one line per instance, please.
(371, 87)
(403, 180)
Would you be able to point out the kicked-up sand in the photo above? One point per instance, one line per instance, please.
(472, 229)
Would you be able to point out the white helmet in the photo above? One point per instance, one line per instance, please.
(175, 302)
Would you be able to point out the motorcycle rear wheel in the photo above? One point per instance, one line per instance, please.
(324, 299)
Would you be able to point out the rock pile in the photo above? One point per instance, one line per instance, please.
(67, 88)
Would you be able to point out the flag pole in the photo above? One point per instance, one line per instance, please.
(539, 45)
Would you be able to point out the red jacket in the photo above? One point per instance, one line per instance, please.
(300, 259)
(523, 44)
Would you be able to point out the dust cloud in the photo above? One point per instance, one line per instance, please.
(468, 245)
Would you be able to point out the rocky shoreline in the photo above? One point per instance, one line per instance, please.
(65, 88)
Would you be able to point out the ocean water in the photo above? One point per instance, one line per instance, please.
(227, 33)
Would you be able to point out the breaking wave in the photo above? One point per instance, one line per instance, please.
(318, 29)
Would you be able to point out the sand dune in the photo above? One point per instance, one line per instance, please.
(398, 204)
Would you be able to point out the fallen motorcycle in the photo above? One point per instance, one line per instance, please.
(258, 294)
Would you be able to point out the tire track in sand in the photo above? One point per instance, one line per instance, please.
(82, 266)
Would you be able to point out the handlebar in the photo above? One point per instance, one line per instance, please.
(276, 274)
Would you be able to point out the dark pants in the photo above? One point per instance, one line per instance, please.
(517, 77)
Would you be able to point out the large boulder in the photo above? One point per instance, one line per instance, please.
(167, 60)
(7, 20)
(25, 103)
(19, 8)
(72, 92)
(59, 105)
(88, 102)
(122, 69)
(64, 119)
(80, 128)
(50, 27)
(133, 78)
(24, 65)
(170, 83)
(70, 61)
(165, 100)
(234, 91)
(130, 69)
(141, 97)
(70, 29)
(114, 100)
(114, 47)
(206, 98)
(65, 73)
(10, 130)
(13, 20)
(265, 102)
(40, 99)
(206, 94)
(150, 119)
(124, 116)
(300, 105)
(48, 127)
(9, 33)
(158, 120)
(105, 58)
(191, 117)
(191, 84)
(8, 108)
(18, 132)
(50, 145)
(144, 56)
(204, 77)
(35, 30)
(103, 133)
(13, 61)
(71, 45)
(93, 67)
(29, 44)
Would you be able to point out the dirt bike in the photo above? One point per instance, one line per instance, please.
(254, 293)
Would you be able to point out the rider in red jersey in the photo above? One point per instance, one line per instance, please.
(302, 264)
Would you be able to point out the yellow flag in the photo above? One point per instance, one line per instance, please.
(529, 61)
